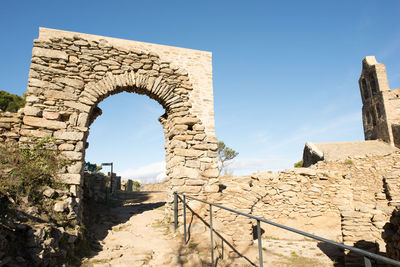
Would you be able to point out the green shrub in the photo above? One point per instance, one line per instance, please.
(348, 162)
(24, 171)
(136, 186)
(298, 164)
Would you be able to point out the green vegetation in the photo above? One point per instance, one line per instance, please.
(192, 245)
(92, 167)
(25, 171)
(224, 155)
(299, 164)
(348, 162)
(10, 102)
(136, 186)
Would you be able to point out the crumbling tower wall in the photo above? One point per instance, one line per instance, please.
(381, 105)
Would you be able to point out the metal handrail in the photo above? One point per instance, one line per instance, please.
(367, 255)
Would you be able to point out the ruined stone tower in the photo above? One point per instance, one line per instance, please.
(381, 105)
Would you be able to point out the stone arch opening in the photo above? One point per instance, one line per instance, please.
(180, 123)
(71, 73)
(127, 133)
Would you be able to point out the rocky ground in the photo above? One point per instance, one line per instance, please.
(132, 232)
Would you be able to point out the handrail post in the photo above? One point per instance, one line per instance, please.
(176, 210)
(211, 237)
(259, 243)
(184, 218)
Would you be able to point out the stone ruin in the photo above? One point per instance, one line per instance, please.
(347, 197)
(381, 105)
(349, 191)
(71, 73)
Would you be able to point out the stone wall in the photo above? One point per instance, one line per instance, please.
(314, 152)
(127, 185)
(347, 201)
(381, 104)
(96, 186)
(71, 73)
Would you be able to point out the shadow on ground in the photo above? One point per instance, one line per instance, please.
(99, 218)
(334, 253)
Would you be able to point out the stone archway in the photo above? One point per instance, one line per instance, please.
(71, 73)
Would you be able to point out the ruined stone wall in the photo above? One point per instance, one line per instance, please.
(127, 185)
(71, 73)
(345, 200)
(96, 186)
(381, 105)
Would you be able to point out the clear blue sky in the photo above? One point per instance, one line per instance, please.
(285, 72)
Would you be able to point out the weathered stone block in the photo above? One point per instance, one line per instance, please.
(5, 125)
(66, 147)
(195, 182)
(78, 106)
(187, 121)
(184, 172)
(190, 189)
(72, 155)
(75, 167)
(54, 94)
(100, 68)
(43, 84)
(32, 111)
(187, 152)
(50, 53)
(9, 119)
(40, 122)
(51, 115)
(35, 133)
(210, 173)
(75, 83)
(70, 178)
(73, 136)
(212, 147)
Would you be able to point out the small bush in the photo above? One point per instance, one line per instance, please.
(136, 185)
(349, 162)
(24, 171)
(298, 164)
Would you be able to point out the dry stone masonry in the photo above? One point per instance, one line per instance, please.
(348, 193)
(348, 201)
(71, 73)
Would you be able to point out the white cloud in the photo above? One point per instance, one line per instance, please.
(152, 173)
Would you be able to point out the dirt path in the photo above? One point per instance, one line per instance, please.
(133, 232)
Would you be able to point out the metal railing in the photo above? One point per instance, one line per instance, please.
(369, 257)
